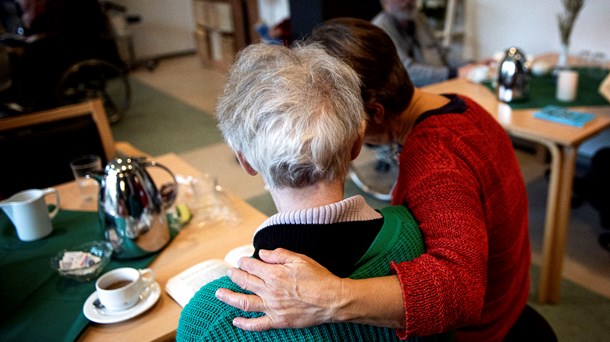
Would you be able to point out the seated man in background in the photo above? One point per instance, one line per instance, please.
(296, 117)
(420, 52)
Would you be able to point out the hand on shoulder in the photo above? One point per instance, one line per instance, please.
(274, 284)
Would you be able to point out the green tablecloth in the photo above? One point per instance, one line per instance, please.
(543, 89)
(36, 304)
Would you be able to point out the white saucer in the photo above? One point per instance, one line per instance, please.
(106, 316)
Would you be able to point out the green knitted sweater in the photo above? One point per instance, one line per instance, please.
(205, 318)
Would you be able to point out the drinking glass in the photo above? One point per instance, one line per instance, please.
(81, 166)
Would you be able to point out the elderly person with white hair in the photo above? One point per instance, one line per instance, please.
(421, 53)
(295, 116)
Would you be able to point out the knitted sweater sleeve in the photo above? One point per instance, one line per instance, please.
(444, 289)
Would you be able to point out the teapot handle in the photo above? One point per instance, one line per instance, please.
(167, 199)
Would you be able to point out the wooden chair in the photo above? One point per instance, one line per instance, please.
(36, 148)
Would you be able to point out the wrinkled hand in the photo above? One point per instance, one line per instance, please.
(291, 289)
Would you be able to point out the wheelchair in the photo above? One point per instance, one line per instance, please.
(66, 68)
(96, 78)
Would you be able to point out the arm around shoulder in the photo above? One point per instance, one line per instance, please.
(320, 297)
(373, 301)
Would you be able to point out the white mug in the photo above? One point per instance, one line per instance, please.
(120, 289)
(29, 213)
(567, 85)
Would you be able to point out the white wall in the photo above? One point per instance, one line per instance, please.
(494, 26)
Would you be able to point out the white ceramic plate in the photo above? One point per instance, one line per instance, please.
(106, 316)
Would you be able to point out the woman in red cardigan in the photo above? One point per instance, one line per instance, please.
(460, 178)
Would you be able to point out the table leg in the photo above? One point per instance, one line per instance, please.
(550, 223)
(563, 164)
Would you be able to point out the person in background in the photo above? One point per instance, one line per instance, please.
(295, 116)
(459, 176)
(425, 59)
(277, 34)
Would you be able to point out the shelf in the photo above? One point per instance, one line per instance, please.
(220, 31)
(451, 24)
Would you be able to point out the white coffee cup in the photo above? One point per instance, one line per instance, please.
(120, 289)
(29, 213)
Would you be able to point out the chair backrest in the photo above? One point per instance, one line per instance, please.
(36, 148)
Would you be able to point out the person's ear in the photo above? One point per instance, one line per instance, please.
(375, 112)
(245, 165)
(357, 146)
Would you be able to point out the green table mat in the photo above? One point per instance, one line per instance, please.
(543, 89)
(36, 303)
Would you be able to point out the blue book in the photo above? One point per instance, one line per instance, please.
(564, 116)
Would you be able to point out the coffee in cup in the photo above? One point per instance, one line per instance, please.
(120, 289)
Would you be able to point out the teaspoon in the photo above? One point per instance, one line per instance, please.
(98, 304)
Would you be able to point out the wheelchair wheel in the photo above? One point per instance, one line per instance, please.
(96, 78)
(375, 171)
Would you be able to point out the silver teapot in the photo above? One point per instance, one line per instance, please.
(131, 208)
(513, 77)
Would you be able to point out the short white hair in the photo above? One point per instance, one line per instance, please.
(293, 113)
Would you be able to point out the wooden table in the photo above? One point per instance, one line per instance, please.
(562, 142)
(192, 245)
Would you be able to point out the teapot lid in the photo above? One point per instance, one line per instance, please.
(515, 53)
(123, 164)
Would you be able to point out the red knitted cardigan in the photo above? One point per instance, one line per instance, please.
(460, 178)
